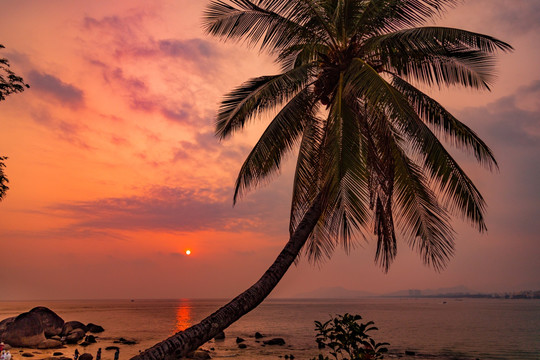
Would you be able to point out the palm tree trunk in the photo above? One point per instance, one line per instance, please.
(183, 342)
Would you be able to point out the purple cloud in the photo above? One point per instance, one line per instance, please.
(173, 209)
(66, 93)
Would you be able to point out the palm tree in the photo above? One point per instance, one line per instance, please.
(9, 84)
(348, 97)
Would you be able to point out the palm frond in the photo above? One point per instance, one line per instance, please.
(459, 193)
(459, 134)
(279, 138)
(425, 223)
(270, 24)
(383, 16)
(256, 96)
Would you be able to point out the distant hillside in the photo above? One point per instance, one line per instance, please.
(336, 292)
(456, 290)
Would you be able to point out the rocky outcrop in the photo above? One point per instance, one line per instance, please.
(24, 330)
(49, 344)
(43, 328)
(75, 335)
(94, 329)
(51, 322)
(72, 325)
(91, 339)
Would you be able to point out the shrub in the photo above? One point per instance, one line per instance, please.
(347, 339)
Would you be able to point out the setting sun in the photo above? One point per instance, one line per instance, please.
(188, 252)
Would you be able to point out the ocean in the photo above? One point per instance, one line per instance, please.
(455, 329)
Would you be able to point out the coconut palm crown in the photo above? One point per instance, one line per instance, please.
(348, 95)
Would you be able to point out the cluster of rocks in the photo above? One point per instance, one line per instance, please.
(42, 328)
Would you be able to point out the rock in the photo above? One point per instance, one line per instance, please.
(125, 341)
(51, 322)
(24, 330)
(84, 344)
(4, 323)
(220, 336)
(86, 356)
(49, 344)
(27, 354)
(74, 336)
(410, 353)
(94, 329)
(72, 325)
(242, 346)
(258, 335)
(58, 353)
(275, 341)
(112, 348)
(199, 354)
(239, 340)
(91, 339)
(56, 337)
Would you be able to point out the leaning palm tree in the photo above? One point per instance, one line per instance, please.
(370, 162)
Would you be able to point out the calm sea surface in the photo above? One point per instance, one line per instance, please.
(432, 328)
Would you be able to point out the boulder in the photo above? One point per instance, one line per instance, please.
(242, 346)
(239, 340)
(72, 325)
(23, 331)
(49, 344)
(86, 356)
(51, 322)
(27, 354)
(275, 341)
(94, 329)
(258, 335)
(112, 348)
(4, 323)
(91, 339)
(220, 336)
(58, 353)
(74, 336)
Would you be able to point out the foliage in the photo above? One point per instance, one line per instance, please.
(346, 339)
(369, 139)
(9, 82)
(3, 178)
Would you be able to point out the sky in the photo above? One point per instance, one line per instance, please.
(115, 172)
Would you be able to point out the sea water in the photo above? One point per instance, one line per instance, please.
(431, 328)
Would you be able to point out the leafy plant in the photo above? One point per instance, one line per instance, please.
(346, 338)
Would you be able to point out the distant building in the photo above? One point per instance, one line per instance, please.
(415, 292)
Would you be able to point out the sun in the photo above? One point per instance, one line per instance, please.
(188, 252)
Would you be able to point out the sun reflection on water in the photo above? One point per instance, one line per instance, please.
(183, 315)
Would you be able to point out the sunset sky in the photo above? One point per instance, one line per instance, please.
(115, 172)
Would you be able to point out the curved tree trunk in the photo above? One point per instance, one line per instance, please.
(183, 342)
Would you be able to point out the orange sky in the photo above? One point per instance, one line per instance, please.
(114, 170)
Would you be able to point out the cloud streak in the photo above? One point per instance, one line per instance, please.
(66, 94)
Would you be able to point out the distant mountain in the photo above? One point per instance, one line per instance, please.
(336, 292)
(456, 290)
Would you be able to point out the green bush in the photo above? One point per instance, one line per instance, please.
(347, 339)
